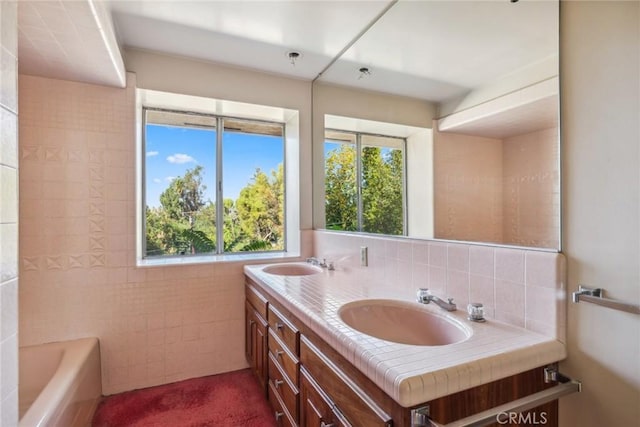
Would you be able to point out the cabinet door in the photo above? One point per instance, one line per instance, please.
(261, 366)
(249, 334)
(256, 343)
(316, 409)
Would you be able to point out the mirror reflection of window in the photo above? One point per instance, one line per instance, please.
(341, 189)
(364, 182)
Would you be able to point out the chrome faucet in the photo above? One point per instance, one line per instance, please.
(425, 297)
(313, 261)
(323, 264)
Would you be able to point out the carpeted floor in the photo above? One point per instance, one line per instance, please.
(231, 399)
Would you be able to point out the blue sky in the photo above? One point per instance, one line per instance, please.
(171, 151)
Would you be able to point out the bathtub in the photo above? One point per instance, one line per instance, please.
(59, 383)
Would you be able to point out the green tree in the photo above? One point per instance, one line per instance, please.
(183, 223)
(382, 190)
(341, 198)
(382, 208)
(184, 196)
(260, 209)
(186, 223)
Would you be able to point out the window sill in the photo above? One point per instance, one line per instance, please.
(206, 259)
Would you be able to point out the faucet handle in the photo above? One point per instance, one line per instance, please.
(423, 295)
(450, 300)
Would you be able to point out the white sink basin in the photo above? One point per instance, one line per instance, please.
(402, 322)
(292, 269)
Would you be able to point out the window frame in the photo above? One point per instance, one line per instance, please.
(219, 185)
(358, 148)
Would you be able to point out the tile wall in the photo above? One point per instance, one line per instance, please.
(8, 214)
(498, 190)
(77, 248)
(467, 181)
(531, 189)
(522, 287)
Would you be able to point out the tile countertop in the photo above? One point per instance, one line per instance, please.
(409, 374)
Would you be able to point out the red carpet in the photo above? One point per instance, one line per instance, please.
(231, 399)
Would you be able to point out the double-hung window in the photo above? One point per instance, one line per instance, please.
(365, 186)
(211, 184)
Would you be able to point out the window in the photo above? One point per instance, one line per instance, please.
(204, 170)
(364, 182)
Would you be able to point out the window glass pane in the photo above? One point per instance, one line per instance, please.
(180, 160)
(253, 186)
(341, 191)
(382, 185)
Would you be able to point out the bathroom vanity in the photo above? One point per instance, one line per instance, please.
(317, 371)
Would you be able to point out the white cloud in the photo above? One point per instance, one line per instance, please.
(180, 158)
(157, 180)
(152, 153)
(170, 178)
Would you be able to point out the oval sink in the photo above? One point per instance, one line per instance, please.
(402, 322)
(292, 269)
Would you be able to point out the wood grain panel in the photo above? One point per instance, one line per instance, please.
(287, 361)
(316, 410)
(468, 402)
(284, 329)
(347, 396)
(288, 392)
(279, 411)
(256, 343)
(257, 300)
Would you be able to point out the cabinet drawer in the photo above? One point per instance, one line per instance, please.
(282, 415)
(257, 300)
(315, 408)
(349, 398)
(283, 328)
(286, 391)
(283, 356)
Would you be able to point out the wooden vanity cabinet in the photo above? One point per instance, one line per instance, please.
(308, 383)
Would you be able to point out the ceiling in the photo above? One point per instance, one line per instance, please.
(424, 49)
(69, 40)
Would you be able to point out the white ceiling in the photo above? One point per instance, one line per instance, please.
(249, 34)
(438, 50)
(432, 50)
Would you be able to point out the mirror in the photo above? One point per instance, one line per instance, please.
(467, 91)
